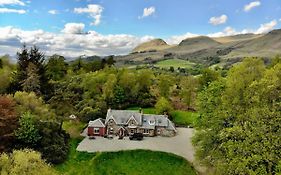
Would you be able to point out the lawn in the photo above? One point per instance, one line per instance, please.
(180, 118)
(175, 63)
(135, 162)
(73, 127)
(184, 118)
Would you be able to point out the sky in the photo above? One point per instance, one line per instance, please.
(103, 27)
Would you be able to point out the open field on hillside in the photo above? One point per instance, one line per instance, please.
(174, 63)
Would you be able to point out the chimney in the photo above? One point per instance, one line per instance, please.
(109, 109)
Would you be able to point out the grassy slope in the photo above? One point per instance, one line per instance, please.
(135, 162)
(175, 63)
(73, 128)
(181, 118)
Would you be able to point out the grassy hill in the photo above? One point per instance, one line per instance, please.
(204, 50)
(156, 44)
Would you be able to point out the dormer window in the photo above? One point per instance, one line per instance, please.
(151, 122)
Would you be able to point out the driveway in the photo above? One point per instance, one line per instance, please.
(180, 145)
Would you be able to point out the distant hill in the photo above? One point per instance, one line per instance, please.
(156, 44)
(236, 38)
(205, 50)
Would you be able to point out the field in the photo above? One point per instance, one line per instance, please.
(174, 63)
(184, 118)
(180, 118)
(135, 162)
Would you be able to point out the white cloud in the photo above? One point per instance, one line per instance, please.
(53, 12)
(68, 44)
(280, 19)
(7, 10)
(251, 5)
(228, 31)
(264, 28)
(93, 10)
(218, 20)
(148, 12)
(73, 28)
(176, 39)
(11, 2)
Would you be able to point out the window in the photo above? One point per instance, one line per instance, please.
(97, 130)
(146, 131)
(158, 131)
(132, 131)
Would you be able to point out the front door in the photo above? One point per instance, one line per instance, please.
(121, 132)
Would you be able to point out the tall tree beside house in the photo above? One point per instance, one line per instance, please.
(164, 83)
(8, 122)
(188, 90)
(163, 106)
(238, 128)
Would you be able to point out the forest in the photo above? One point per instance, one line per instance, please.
(237, 128)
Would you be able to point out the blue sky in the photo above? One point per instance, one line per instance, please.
(138, 20)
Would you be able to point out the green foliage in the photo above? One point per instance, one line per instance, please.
(29, 102)
(24, 162)
(32, 82)
(208, 75)
(25, 59)
(163, 106)
(239, 120)
(1, 64)
(165, 83)
(56, 67)
(27, 132)
(54, 143)
(188, 90)
(124, 162)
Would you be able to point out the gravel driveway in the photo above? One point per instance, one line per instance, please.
(180, 145)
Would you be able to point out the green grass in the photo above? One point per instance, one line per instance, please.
(145, 110)
(74, 128)
(175, 63)
(184, 118)
(180, 118)
(135, 162)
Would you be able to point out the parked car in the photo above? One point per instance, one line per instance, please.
(136, 136)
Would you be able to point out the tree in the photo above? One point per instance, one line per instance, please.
(1, 64)
(8, 122)
(188, 90)
(25, 58)
(27, 133)
(164, 83)
(163, 106)
(207, 77)
(110, 60)
(237, 128)
(29, 102)
(56, 67)
(24, 162)
(32, 82)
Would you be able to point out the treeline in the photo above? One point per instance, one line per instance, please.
(238, 130)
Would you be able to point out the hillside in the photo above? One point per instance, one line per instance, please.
(156, 44)
(204, 50)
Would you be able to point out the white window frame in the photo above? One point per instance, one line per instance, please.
(158, 131)
(146, 131)
(96, 130)
(132, 131)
